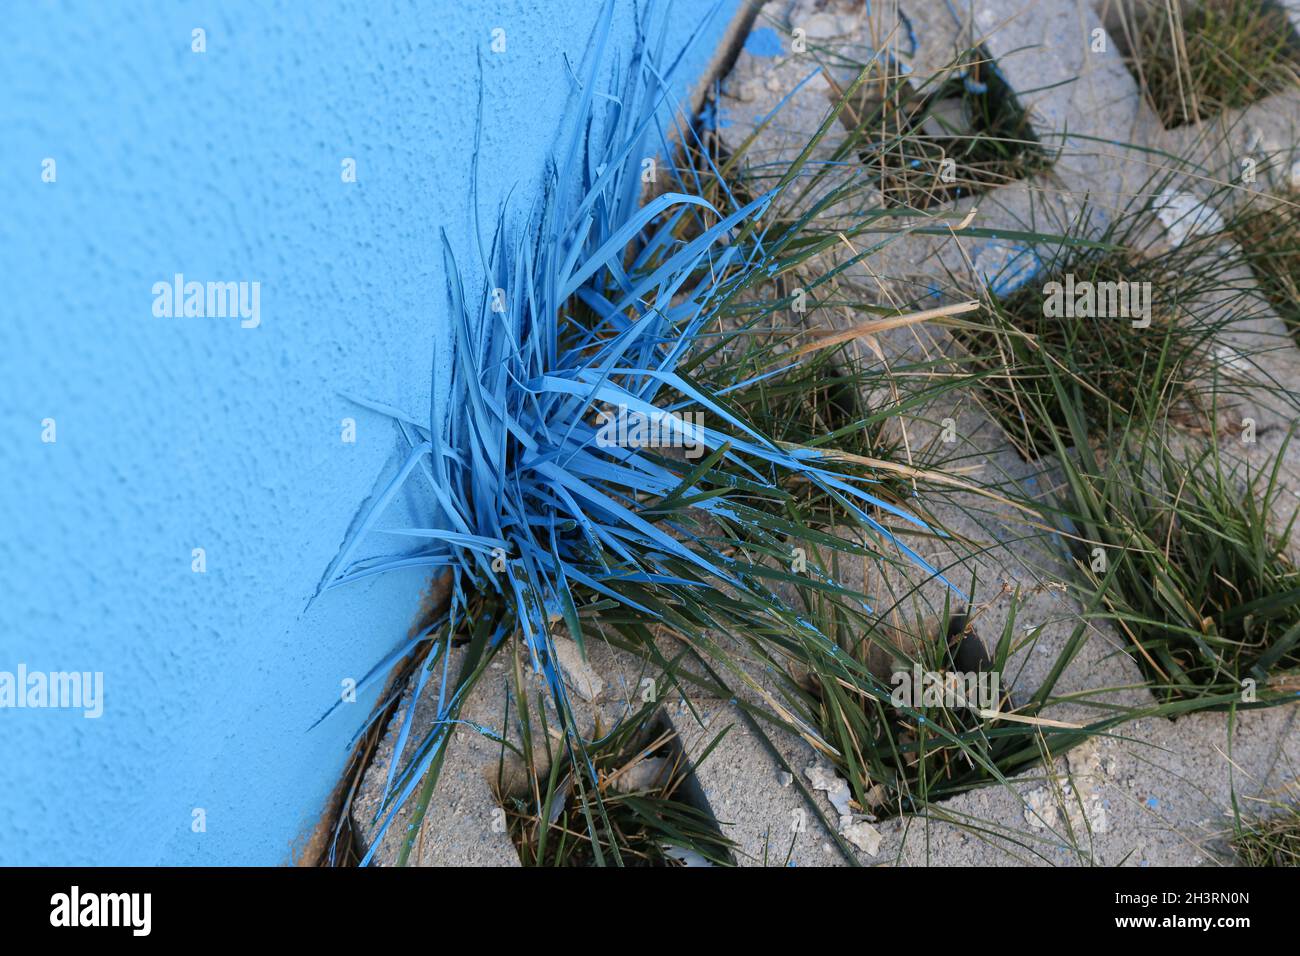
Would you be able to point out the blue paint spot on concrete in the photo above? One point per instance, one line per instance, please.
(1006, 266)
(764, 42)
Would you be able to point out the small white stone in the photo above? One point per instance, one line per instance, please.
(684, 856)
(1040, 809)
(582, 680)
(861, 834)
(837, 789)
(1085, 763)
(1095, 811)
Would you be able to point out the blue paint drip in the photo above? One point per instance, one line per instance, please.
(1010, 272)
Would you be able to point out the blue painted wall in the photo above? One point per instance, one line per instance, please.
(182, 433)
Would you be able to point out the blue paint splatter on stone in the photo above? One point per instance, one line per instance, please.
(763, 42)
(1006, 266)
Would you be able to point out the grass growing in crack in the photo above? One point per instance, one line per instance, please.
(1270, 839)
(958, 134)
(636, 785)
(822, 402)
(1188, 555)
(1140, 339)
(902, 758)
(1193, 63)
(1120, 368)
(1268, 232)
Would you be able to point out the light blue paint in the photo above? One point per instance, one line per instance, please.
(911, 32)
(180, 433)
(764, 41)
(1005, 266)
(711, 117)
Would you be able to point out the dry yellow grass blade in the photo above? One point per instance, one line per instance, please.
(907, 471)
(875, 326)
(1023, 719)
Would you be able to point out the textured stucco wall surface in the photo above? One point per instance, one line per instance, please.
(182, 433)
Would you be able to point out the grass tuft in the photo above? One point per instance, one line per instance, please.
(1268, 232)
(1120, 369)
(1195, 61)
(1270, 840)
(1141, 339)
(1189, 556)
(637, 783)
(900, 756)
(955, 135)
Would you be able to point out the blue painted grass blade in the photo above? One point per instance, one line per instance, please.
(373, 512)
(400, 746)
